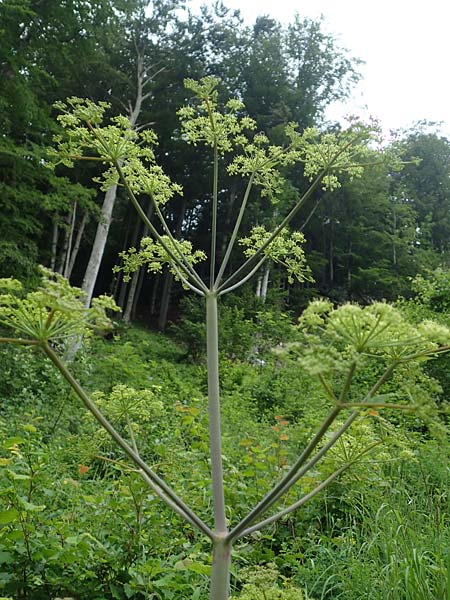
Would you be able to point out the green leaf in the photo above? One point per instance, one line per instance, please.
(129, 591)
(8, 516)
(193, 565)
(17, 476)
(12, 441)
(30, 507)
(6, 558)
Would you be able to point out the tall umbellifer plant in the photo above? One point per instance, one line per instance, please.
(334, 343)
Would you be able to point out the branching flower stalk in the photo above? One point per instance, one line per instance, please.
(333, 343)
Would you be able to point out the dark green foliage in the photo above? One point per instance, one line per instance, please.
(431, 300)
(425, 184)
(364, 244)
(246, 331)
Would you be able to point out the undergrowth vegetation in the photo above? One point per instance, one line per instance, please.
(76, 521)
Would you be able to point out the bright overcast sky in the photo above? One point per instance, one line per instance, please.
(405, 45)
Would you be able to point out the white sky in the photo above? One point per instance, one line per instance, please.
(405, 45)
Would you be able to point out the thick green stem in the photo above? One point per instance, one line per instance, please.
(215, 441)
(220, 573)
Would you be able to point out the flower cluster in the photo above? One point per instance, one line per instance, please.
(286, 250)
(154, 256)
(54, 312)
(335, 337)
(117, 145)
(204, 123)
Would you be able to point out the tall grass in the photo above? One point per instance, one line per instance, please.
(391, 542)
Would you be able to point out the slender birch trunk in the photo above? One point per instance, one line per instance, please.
(95, 259)
(77, 244)
(64, 249)
(265, 283)
(70, 240)
(101, 235)
(258, 286)
(55, 236)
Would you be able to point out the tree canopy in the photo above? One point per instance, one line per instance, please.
(362, 243)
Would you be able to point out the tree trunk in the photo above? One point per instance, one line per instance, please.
(64, 249)
(132, 243)
(55, 236)
(76, 246)
(156, 281)
(119, 288)
(324, 252)
(95, 259)
(165, 300)
(135, 279)
(394, 245)
(265, 283)
(101, 235)
(331, 256)
(168, 280)
(70, 240)
(142, 273)
(131, 294)
(229, 214)
(258, 286)
(349, 265)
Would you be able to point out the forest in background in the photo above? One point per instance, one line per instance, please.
(364, 242)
